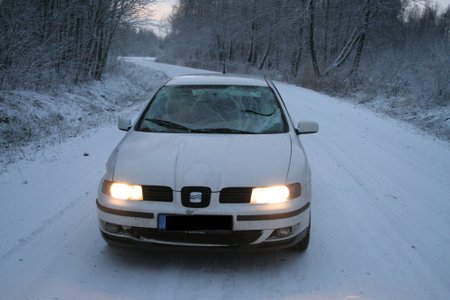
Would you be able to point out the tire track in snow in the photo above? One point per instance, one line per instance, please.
(22, 242)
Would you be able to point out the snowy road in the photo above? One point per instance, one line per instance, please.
(381, 222)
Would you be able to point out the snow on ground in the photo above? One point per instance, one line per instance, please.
(431, 117)
(381, 221)
(169, 70)
(31, 119)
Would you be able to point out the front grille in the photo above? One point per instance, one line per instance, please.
(223, 237)
(235, 195)
(157, 193)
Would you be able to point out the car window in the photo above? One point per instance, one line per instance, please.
(214, 109)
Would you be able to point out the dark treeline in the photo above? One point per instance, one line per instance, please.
(43, 42)
(379, 47)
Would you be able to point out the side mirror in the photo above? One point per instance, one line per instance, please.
(307, 127)
(124, 124)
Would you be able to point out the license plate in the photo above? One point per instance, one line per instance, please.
(200, 222)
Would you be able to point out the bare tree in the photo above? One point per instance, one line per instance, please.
(48, 41)
(312, 46)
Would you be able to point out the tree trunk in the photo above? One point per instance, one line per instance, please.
(298, 58)
(325, 36)
(346, 50)
(362, 39)
(312, 46)
(265, 56)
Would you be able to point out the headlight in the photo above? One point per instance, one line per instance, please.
(125, 191)
(269, 195)
(275, 194)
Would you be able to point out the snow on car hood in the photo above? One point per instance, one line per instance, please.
(212, 160)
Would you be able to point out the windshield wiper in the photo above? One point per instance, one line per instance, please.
(175, 126)
(249, 111)
(169, 124)
(221, 130)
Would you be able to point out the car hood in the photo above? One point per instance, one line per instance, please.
(211, 160)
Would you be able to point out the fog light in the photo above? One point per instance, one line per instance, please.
(283, 232)
(113, 228)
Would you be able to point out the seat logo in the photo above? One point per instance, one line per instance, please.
(195, 197)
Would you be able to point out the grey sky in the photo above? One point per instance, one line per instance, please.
(443, 3)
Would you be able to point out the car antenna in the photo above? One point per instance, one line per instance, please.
(224, 71)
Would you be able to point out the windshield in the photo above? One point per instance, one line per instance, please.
(214, 109)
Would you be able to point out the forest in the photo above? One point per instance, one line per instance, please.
(389, 48)
(47, 42)
(367, 49)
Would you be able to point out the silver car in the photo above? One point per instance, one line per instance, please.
(212, 161)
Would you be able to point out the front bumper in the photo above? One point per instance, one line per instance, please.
(136, 223)
(130, 241)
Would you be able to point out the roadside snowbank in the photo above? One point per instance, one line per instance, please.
(29, 120)
(431, 117)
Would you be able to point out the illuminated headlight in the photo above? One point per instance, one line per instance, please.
(275, 194)
(125, 191)
(270, 195)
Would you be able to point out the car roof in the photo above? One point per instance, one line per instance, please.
(217, 79)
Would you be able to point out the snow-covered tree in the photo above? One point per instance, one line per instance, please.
(47, 41)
